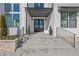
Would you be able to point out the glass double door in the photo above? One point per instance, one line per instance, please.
(38, 25)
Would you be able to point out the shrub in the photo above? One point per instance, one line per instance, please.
(29, 30)
(3, 27)
(50, 30)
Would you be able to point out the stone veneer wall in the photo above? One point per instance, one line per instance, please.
(8, 45)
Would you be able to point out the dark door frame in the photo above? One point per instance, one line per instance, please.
(39, 30)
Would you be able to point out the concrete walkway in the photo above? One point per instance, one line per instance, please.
(40, 44)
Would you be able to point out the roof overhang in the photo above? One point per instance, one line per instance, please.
(39, 12)
(69, 9)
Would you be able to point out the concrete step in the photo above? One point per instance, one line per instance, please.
(44, 37)
(37, 45)
(47, 46)
(46, 41)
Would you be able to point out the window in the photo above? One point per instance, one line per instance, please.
(39, 5)
(13, 15)
(68, 19)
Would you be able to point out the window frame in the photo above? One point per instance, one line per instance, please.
(68, 20)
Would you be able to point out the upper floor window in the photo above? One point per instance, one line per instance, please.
(12, 7)
(39, 5)
(69, 19)
(13, 14)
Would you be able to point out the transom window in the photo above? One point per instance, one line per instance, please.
(68, 19)
(39, 5)
(13, 14)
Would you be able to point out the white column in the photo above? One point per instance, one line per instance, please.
(23, 16)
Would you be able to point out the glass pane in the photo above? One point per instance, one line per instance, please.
(41, 5)
(36, 26)
(72, 24)
(9, 20)
(16, 20)
(41, 26)
(36, 22)
(41, 22)
(16, 7)
(64, 19)
(8, 7)
(64, 16)
(72, 19)
(72, 16)
(64, 24)
(36, 5)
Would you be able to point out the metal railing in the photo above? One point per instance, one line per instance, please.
(68, 36)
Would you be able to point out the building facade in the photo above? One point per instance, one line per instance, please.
(40, 16)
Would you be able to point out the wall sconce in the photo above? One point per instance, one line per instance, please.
(25, 9)
(31, 18)
(45, 18)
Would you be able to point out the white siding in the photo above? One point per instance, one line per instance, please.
(23, 17)
(30, 22)
(47, 5)
(49, 22)
(30, 4)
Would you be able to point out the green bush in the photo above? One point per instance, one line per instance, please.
(3, 27)
(50, 30)
(29, 30)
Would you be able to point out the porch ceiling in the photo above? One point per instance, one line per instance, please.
(39, 12)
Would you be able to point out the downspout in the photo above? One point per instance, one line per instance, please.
(26, 18)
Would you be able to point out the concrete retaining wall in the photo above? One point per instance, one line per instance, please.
(8, 45)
